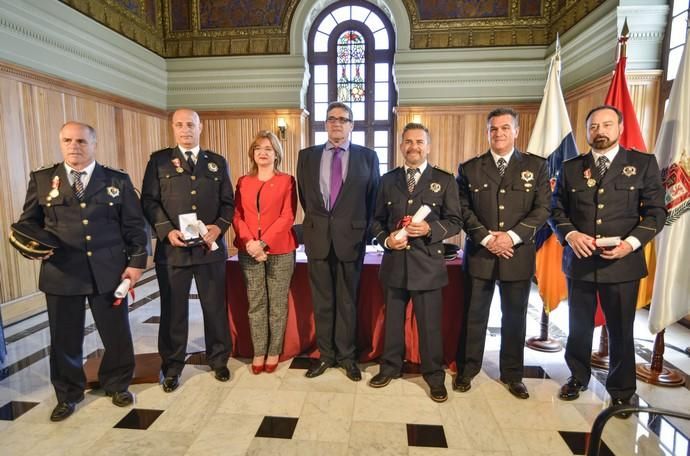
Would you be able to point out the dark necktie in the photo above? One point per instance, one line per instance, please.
(78, 185)
(602, 165)
(410, 178)
(502, 165)
(190, 159)
(336, 175)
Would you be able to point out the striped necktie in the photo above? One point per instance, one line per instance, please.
(602, 165)
(190, 159)
(410, 178)
(501, 163)
(78, 185)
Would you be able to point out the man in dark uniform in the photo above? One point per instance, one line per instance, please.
(413, 266)
(183, 180)
(94, 213)
(337, 184)
(608, 192)
(505, 199)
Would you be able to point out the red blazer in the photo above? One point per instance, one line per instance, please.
(268, 207)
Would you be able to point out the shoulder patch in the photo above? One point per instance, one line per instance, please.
(117, 170)
(442, 170)
(46, 167)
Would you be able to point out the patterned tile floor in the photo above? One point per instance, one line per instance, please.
(285, 413)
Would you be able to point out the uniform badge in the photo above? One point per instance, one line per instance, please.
(591, 182)
(527, 176)
(588, 175)
(212, 167)
(114, 192)
(54, 192)
(435, 187)
(629, 171)
(176, 164)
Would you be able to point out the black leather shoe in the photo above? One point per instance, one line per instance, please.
(571, 390)
(380, 380)
(438, 393)
(619, 402)
(170, 383)
(352, 371)
(222, 374)
(462, 384)
(64, 409)
(317, 369)
(518, 389)
(121, 398)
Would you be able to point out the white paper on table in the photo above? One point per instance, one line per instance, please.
(203, 230)
(418, 216)
(189, 226)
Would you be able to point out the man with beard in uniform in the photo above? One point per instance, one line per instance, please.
(608, 192)
(182, 180)
(414, 267)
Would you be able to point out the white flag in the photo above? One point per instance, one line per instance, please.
(671, 297)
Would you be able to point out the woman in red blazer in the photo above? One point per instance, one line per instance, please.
(265, 205)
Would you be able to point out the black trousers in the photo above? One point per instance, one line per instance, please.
(618, 303)
(66, 316)
(175, 283)
(514, 300)
(334, 289)
(428, 307)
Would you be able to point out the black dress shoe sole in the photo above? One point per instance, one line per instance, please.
(380, 384)
(439, 398)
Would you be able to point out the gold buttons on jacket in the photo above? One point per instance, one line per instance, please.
(87, 237)
(500, 224)
(503, 190)
(193, 177)
(600, 206)
(85, 222)
(89, 253)
(598, 221)
(193, 207)
(82, 205)
(601, 190)
(410, 201)
(193, 192)
(501, 207)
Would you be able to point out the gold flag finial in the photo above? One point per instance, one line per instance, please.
(623, 39)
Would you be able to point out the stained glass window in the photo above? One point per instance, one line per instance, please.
(351, 60)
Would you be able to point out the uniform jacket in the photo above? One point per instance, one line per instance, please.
(168, 192)
(422, 265)
(519, 201)
(266, 211)
(99, 236)
(627, 201)
(346, 225)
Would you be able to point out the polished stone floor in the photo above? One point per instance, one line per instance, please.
(285, 413)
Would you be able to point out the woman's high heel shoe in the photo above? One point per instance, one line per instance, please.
(270, 368)
(256, 370)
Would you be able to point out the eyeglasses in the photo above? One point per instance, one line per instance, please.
(340, 120)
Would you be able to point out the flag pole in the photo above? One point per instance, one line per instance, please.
(543, 342)
(655, 373)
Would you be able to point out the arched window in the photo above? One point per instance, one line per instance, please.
(350, 54)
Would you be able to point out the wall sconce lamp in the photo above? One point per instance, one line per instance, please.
(282, 128)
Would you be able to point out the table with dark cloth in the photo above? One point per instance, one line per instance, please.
(300, 338)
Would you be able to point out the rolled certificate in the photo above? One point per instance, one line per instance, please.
(122, 289)
(418, 216)
(203, 230)
(612, 241)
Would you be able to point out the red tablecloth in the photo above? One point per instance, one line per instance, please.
(300, 338)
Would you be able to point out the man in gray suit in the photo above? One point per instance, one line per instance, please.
(337, 184)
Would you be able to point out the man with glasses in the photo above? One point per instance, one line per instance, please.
(337, 184)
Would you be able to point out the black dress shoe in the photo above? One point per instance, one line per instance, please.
(222, 374)
(64, 409)
(352, 371)
(380, 380)
(518, 389)
(170, 383)
(121, 398)
(317, 369)
(619, 402)
(438, 393)
(462, 384)
(571, 390)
